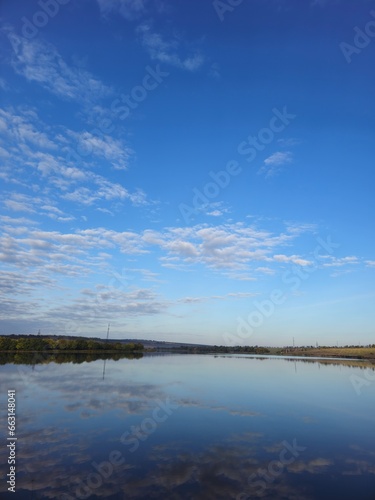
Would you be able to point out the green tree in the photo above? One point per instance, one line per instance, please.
(7, 344)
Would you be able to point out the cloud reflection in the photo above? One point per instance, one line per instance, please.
(69, 418)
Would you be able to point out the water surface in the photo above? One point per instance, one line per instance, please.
(192, 427)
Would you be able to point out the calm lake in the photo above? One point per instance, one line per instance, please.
(191, 427)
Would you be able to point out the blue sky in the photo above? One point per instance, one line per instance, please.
(194, 171)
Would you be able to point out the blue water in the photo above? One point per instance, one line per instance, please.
(192, 427)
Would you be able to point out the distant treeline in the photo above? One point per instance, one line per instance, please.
(225, 349)
(36, 343)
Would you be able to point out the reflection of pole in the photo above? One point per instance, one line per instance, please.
(104, 368)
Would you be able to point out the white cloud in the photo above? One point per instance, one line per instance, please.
(3, 84)
(34, 150)
(20, 129)
(265, 270)
(230, 249)
(18, 206)
(233, 295)
(113, 150)
(182, 248)
(18, 202)
(218, 209)
(339, 262)
(12, 220)
(41, 63)
(274, 163)
(279, 158)
(39, 258)
(215, 213)
(214, 71)
(167, 52)
(295, 259)
(109, 302)
(105, 211)
(224, 248)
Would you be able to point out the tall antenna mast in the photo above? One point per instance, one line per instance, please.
(109, 324)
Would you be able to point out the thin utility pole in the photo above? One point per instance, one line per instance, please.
(109, 324)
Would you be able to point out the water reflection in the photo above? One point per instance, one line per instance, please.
(35, 358)
(192, 427)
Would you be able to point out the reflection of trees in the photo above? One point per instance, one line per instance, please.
(363, 365)
(31, 358)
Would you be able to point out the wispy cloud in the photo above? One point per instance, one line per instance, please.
(215, 213)
(111, 149)
(39, 259)
(3, 84)
(294, 259)
(24, 128)
(218, 209)
(288, 143)
(341, 261)
(168, 51)
(36, 151)
(41, 205)
(274, 163)
(214, 71)
(233, 295)
(40, 62)
(227, 247)
(279, 158)
(129, 9)
(265, 270)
